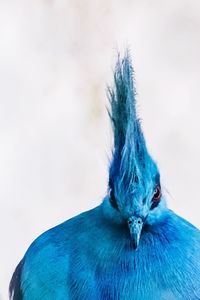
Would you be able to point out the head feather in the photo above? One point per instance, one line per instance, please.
(129, 151)
(122, 100)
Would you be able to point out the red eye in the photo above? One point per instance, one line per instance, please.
(157, 193)
(156, 197)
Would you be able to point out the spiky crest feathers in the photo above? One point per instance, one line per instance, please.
(131, 161)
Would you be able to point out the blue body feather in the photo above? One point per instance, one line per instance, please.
(93, 255)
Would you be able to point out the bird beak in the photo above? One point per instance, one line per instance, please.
(135, 225)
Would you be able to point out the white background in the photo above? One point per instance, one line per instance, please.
(56, 58)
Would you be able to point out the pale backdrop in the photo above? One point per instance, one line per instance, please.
(56, 58)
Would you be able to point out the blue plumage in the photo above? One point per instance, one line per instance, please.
(131, 247)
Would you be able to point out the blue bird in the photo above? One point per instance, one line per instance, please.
(131, 246)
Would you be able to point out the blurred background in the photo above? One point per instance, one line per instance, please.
(56, 59)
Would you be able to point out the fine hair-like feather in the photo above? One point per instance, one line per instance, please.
(130, 156)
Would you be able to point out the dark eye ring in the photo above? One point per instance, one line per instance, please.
(157, 193)
(113, 199)
(156, 197)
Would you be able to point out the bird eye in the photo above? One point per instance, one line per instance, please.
(113, 201)
(157, 193)
(156, 197)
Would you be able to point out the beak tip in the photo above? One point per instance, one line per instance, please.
(135, 246)
(134, 242)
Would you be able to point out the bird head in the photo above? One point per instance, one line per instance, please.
(134, 188)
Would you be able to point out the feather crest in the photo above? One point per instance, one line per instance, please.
(129, 153)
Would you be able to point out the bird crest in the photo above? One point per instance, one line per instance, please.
(131, 165)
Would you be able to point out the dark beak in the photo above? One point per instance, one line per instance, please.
(135, 225)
